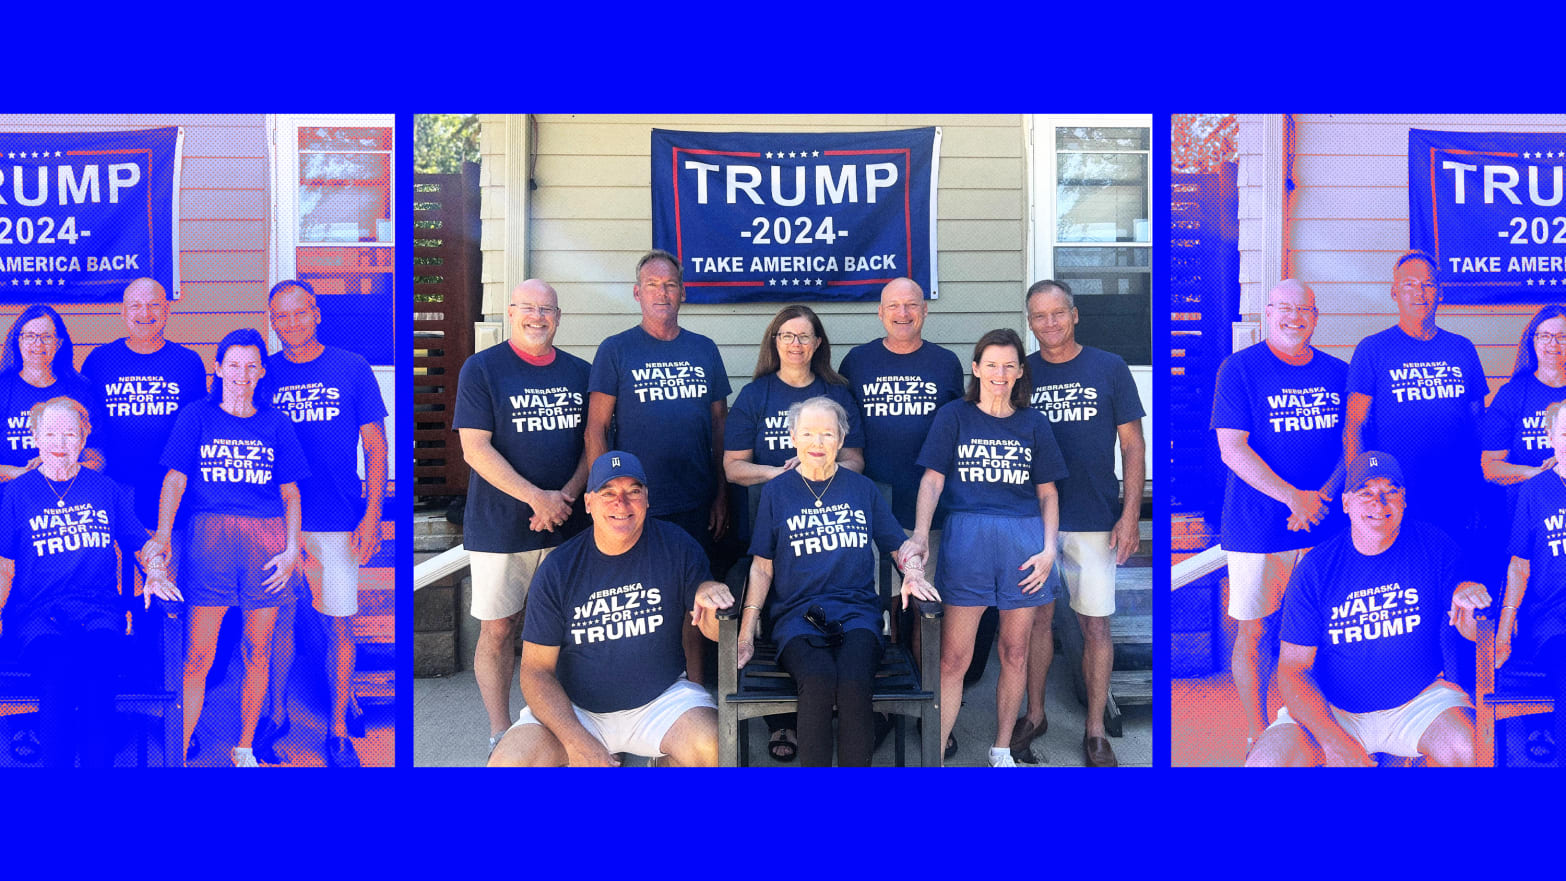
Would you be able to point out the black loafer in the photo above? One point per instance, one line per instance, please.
(355, 720)
(340, 753)
(194, 749)
(264, 744)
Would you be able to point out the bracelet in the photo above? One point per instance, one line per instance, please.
(757, 608)
(1513, 608)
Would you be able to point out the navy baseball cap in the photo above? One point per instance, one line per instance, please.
(1371, 464)
(615, 463)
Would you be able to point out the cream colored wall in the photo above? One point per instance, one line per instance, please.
(590, 219)
(224, 215)
(1350, 223)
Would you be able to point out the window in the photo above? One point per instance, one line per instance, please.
(1091, 223)
(335, 185)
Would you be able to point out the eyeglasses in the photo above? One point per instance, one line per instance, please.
(1291, 310)
(788, 339)
(47, 339)
(832, 630)
(1409, 284)
(540, 311)
(1545, 339)
(1370, 496)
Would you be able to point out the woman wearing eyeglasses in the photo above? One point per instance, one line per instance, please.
(813, 558)
(1512, 434)
(38, 364)
(794, 365)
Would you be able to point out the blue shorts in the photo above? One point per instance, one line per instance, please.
(979, 557)
(223, 557)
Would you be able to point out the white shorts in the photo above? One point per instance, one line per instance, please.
(1087, 566)
(334, 587)
(1257, 582)
(1396, 731)
(638, 731)
(500, 581)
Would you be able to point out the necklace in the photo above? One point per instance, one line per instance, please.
(60, 503)
(823, 489)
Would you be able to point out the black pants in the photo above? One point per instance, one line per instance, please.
(843, 676)
(76, 669)
(1552, 657)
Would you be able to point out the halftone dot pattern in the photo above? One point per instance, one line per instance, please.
(240, 224)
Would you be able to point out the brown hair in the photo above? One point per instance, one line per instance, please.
(768, 362)
(1022, 391)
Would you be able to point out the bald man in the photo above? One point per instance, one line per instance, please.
(144, 380)
(899, 381)
(1278, 411)
(520, 412)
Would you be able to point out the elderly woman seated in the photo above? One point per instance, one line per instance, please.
(812, 545)
(59, 597)
(1533, 613)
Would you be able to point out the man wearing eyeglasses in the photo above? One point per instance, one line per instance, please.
(520, 410)
(1417, 391)
(665, 392)
(1278, 413)
(1360, 666)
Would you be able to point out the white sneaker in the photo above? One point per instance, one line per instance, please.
(1001, 758)
(245, 758)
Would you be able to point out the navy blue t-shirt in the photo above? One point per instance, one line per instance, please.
(1087, 399)
(616, 619)
(1374, 620)
(822, 555)
(17, 398)
(537, 419)
(64, 554)
(328, 398)
(1294, 414)
(1514, 421)
(664, 393)
(142, 396)
(992, 465)
(759, 419)
(1422, 397)
(898, 396)
(233, 465)
(1539, 536)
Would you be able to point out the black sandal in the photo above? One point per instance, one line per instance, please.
(25, 746)
(783, 747)
(951, 746)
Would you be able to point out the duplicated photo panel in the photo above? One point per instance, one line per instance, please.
(705, 401)
(1367, 485)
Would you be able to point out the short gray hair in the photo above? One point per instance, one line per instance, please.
(1050, 284)
(819, 402)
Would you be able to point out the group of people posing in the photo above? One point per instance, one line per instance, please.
(600, 494)
(218, 494)
(1371, 508)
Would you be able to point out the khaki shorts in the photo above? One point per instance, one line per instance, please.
(500, 581)
(1087, 565)
(640, 730)
(1257, 582)
(334, 587)
(1396, 731)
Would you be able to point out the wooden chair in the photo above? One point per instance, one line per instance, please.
(904, 686)
(1517, 689)
(150, 682)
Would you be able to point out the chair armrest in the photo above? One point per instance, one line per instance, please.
(929, 609)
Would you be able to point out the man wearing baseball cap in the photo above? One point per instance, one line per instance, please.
(1360, 666)
(603, 668)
